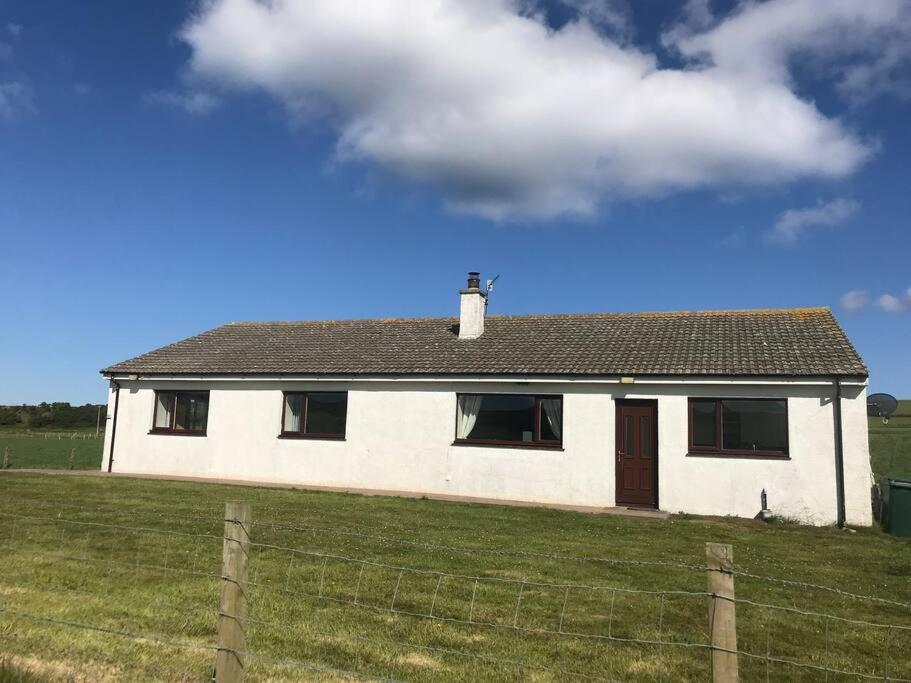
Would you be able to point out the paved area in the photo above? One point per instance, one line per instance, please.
(629, 512)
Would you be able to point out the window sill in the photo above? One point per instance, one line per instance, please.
(312, 437)
(175, 432)
(749, 455)
(509, 444)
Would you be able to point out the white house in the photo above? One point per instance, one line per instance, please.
(696, 412)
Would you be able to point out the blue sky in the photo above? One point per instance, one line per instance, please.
(162, 173)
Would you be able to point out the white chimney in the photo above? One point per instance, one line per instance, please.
(472, 309)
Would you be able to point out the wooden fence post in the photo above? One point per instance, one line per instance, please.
(6, 457)
(719, 559)
(232, 606)
(72, 457)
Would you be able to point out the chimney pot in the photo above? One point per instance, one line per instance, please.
(474, 280)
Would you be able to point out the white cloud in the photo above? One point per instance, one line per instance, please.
(854, 300)
(696, 17)
(193, 102)
(6, 47)
(891, 303)
(15, 99)
(612, 16)
(868, 43)
(509, 118)
(889, 73)
(793, 223)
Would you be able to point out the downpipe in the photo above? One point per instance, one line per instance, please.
(839, 457)
(114, 422)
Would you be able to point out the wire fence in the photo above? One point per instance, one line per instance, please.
(142, 594)
(51, 450)
(60, 435)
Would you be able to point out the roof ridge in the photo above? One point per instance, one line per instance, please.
(509, 316)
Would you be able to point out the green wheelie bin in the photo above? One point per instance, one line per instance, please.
(898, 508)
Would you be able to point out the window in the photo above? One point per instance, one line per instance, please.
(315, 415)
(181, 412)
(509, 419)
(739, 426)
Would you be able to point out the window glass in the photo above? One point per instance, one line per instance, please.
(510, 418)
(703, 422)
(645, 438)
(192, 411)
(628, 436)
(293, 403)
(326, 413)
(505, 418)
(551, 419)
(164, 400)
(754, 425)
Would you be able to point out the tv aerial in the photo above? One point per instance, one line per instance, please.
(881, 405)
(490, 284)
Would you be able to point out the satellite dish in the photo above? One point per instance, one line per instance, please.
(881, 405)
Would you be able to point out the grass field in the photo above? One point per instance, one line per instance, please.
(890, 445)
(52, 449)
(67, 556)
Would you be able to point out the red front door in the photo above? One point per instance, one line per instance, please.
(637, 453)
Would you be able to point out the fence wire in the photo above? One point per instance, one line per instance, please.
(358, 602)
(88, 543)
(563, 557)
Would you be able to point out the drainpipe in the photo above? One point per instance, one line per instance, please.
(114, 422)
(839, 456)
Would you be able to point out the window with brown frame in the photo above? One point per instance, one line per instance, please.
(509, 419)
(181, 412)
(314, 414)
(739, 426)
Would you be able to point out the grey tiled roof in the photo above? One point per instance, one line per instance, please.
(793, 342)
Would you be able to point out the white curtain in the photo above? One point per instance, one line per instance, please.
(292, 413)
(163, 410)
(553, 409)
(469, 405)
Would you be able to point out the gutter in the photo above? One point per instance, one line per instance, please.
(839, 456)
(475, 379)
(114, 422)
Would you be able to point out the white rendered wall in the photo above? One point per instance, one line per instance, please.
(399, 438)
(858, 506)
(472, 305)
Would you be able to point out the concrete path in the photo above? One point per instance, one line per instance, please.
(627, 512)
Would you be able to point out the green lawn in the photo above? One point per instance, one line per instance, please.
(165, 586)
(52, 450)
(890, 445)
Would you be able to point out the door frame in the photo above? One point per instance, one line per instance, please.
(642, 403)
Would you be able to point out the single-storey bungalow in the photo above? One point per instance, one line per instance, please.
(700, 412)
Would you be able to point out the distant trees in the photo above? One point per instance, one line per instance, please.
(50, 415)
